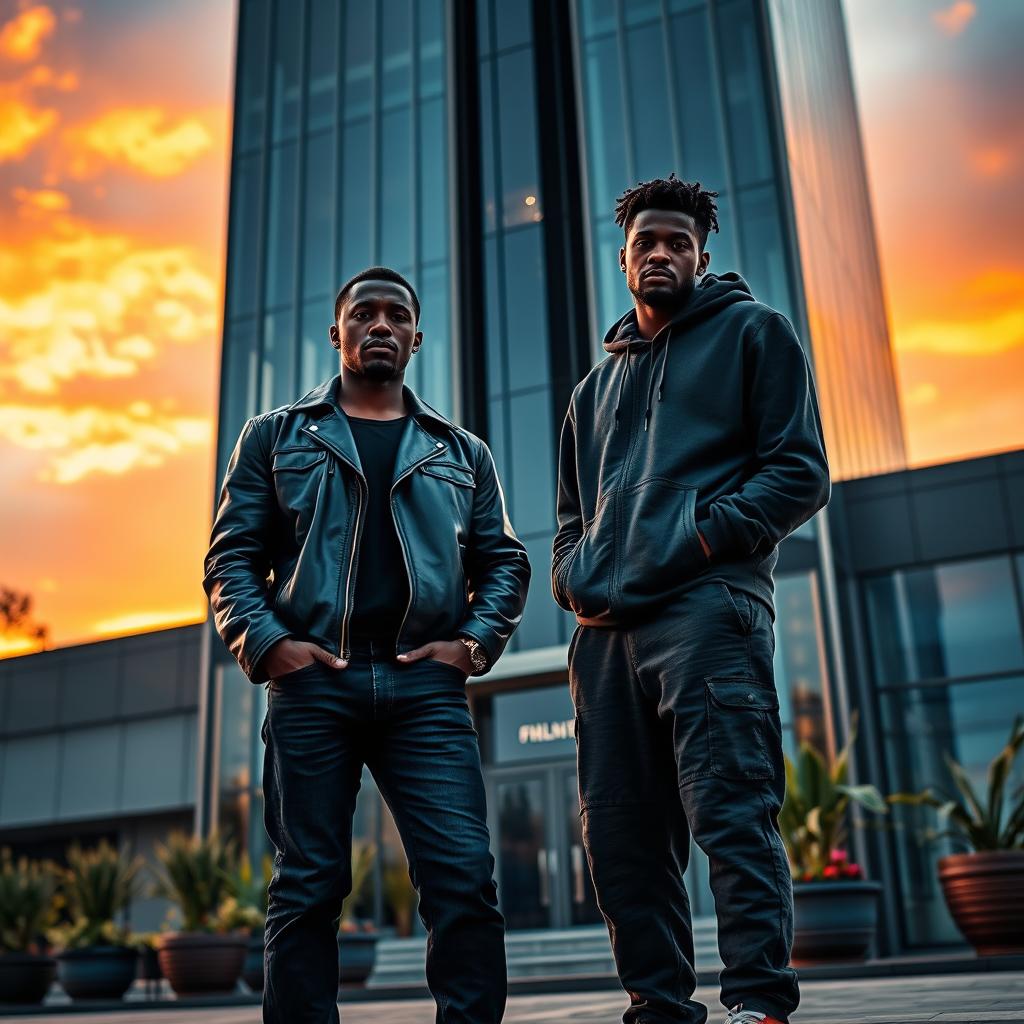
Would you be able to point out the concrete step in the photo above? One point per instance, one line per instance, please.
(572, 952)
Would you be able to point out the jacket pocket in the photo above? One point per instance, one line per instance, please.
(587, 571)
(743, 727)
(658, 544)
(297, 475)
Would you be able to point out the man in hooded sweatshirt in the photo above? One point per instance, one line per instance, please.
(686, 456)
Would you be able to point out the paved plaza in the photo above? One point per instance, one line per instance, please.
(948, 998)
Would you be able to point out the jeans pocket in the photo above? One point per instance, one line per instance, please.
(448, 665)
(739, 606)
(743, 727)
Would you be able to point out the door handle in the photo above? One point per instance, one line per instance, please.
(542, 870)
(579, 890)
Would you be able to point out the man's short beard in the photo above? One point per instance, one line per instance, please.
(380, 371)
(662, 298)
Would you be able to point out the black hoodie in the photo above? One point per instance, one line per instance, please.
(711, 425)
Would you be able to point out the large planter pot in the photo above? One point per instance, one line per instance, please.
(252, 969)
(985, 896)
(99, 972)
(834, 921)
(25, 977)
(357, 953)
(196, 962)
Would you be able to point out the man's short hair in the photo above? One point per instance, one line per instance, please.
(669, 194)
(376, 274)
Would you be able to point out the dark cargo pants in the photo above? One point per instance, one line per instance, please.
(678, 732)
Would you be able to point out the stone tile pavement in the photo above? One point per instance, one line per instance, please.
(944, 999)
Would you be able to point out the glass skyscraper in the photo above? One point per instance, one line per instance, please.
(478, 147)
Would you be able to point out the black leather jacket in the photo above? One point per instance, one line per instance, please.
(284, 548)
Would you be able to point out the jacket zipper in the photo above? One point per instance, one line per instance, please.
(357, 534)
(401, 538)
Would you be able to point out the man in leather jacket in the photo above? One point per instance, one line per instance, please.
(362, 564)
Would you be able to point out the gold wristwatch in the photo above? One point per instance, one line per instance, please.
(477, 654)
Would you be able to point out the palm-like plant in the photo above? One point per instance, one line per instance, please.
(96, 886)
(813, 819)
(199, 876)
(27, 890)
(981, 823)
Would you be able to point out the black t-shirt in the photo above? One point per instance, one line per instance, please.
(382, 585)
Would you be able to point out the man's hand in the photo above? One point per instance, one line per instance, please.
(287, 655)
(452, 652)
(704, 545)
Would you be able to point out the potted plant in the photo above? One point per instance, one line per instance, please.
(357, 939)
(27, 890)
(984, 886)
(207, 952)
(835, 908)
(96, 960)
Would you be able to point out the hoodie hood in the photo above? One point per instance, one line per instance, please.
(711, 295)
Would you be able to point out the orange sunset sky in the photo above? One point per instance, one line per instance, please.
(114, 143)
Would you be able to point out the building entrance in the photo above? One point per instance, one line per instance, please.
(542, 873)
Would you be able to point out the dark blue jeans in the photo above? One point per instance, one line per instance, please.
(678, 732)
(411, 726)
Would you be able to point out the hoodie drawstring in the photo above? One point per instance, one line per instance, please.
(661, 378)
(622, 386)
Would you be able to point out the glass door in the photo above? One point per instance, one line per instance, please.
(526, 861)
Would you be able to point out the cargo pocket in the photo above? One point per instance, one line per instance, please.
(742, 721)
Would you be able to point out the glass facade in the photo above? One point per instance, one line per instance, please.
(347, 153)
(948, 644)
(845, 304)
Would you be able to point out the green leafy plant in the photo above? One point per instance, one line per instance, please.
(95, 887)
(981, 823)
(363, 856)
(814, 820)
(27, 903)
(199, 875)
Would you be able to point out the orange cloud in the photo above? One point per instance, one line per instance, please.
(991, 161)
(984, 335)
(93, 439)
(140, 139)
(47, 199)
(955, 18)
(82, 303)
(42, 77)
(22, 37)
(23, 122)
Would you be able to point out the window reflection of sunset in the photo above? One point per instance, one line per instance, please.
(112, 204)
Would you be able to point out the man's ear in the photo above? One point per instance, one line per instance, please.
(703, 263)
(335, 336)
(622, 259)
(417, 341)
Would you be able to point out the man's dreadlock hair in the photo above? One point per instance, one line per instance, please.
(669, 194)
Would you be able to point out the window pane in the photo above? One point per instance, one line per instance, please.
(744, 93)
(952, 620)
(252, 89)
(286, 90)
(431, 44)
(277, 385)
(432, 178)
(239, 364)
(606, 128)
(396, 169)
(699, 114)
(247, 186)
(319, 217)
(649, 91)
(359, 54)
(764, 263)
(429, 372)
(319, 357)
(596, 17)
(513, 23)
(356, 193)
(280, 269)
(396, 55)
(322, 73)
(971, 723)
(526, 318)
(520, 182)
(532, 497)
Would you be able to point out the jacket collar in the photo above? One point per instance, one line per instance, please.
(331, 427)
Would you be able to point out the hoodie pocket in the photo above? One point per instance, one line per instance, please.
(586, 575)
(658, 543)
